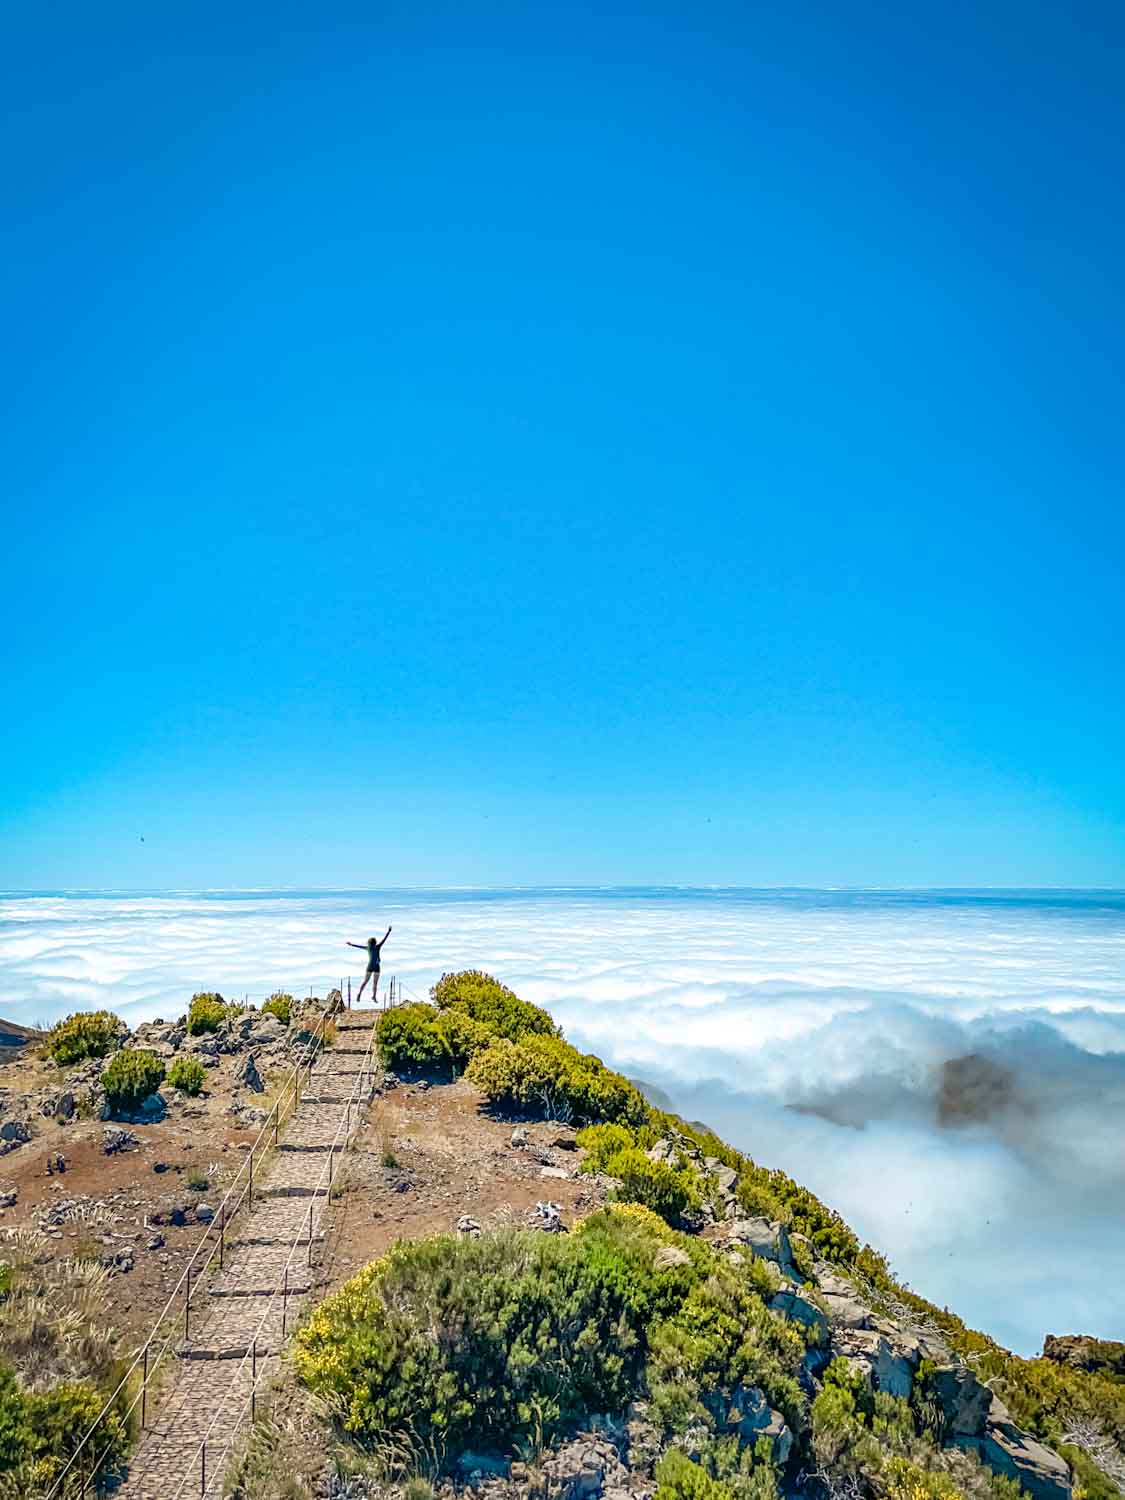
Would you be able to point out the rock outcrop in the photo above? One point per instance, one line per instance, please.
(1082, 1352)
(1016, 1454)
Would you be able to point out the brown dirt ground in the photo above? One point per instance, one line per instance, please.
(118, 1195)
(452, 1157)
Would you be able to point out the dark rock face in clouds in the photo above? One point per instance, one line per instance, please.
(973, 1090)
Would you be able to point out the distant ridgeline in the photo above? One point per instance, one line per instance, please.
(12, 1035)
(713, 1333)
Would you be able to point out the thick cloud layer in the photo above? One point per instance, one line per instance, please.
(948, 1071)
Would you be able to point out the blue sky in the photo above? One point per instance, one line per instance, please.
(494, 443)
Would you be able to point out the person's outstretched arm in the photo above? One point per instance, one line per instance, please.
(386, 935)
(356, 945)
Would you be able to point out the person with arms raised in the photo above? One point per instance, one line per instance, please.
(374, 948)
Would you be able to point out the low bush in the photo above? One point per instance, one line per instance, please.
(207, 1012)
(493, 1004)
(508, 1342)
(678, 1478)
(545, 1075)
(619, 1151)
(599, 1144)
(721, 1337)
(490, 1343)
(89, 1033)
(463, 1036)
(451, 1339)
(654, 1183)
(280, 1005)
(59, 1419)
(131, 1077)
(410, 1041)
(43, 1428)
(15, 1435)
(188, 1075)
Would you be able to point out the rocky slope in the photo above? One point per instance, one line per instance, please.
(881, 1394)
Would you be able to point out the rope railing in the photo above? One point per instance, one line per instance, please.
(198, 1464)
(214, 1236)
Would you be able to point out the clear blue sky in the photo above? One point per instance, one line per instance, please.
(532, 443)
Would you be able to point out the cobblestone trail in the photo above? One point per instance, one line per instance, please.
(210, 1381)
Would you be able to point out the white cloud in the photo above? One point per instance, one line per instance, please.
(812, 1031)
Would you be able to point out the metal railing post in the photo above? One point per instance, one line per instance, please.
(187, 1302)
(222, 1234)
(254, 1380)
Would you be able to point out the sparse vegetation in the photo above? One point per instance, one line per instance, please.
(57, 1362)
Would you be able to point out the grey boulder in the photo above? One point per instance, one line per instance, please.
(1017, 1455)
(766, 1238)
(753, 1417)
(888, 1361)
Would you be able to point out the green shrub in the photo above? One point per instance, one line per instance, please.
(188, 1075)
(15, 1435)
(723, 1336)
(508, 1342)
(491, 1343)
(89, 1033)
(451, 1339)
(600, 1143)
(410, 1041)
(59, 1418)
(904, 1480)
(279, 1005)
(653, 1183)
(620, 1152)
(197, 1180)
(678, 1478)
(493, 1004)
(463, 1036)
(207, 1012)
(131, 1077)
(547, 1076)
(1090, 1482)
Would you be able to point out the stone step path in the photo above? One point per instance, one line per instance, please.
(244, 1312)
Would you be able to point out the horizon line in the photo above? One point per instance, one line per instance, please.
(607, 887)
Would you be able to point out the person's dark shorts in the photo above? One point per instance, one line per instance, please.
(373, 968)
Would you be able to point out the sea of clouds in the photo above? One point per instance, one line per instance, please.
(947, 1070)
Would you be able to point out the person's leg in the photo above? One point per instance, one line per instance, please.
(375, 989)
(362, 987)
